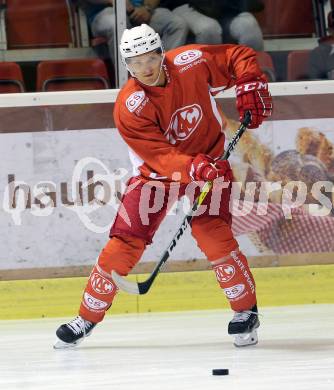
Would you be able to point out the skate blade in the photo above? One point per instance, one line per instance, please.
(59, 344)
(246, 339)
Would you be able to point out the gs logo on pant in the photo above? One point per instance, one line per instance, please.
(94, 303)
(234, 291)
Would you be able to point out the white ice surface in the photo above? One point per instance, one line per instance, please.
(174, 351)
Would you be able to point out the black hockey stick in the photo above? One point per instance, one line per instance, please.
(143, 287)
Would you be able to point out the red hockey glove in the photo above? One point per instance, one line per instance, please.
(205, 168)
(253, 95)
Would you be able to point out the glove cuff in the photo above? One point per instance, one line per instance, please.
(251, 77)
(251, 85)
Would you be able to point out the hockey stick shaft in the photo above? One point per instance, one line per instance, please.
(143, 287)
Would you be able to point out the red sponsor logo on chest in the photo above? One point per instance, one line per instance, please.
(183, 123)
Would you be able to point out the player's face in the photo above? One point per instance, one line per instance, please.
(146, 67)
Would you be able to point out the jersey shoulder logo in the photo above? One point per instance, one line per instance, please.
(134, 100)
(183, 123)
(187, 56)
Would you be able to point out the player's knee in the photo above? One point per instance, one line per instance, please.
(245, 29)
(210, 32)
(178, 24)
(121, 254)
(214, 237)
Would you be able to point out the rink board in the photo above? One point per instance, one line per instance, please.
(171, 292)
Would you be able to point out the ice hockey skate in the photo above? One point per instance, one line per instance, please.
(73, 333)
(243, 326)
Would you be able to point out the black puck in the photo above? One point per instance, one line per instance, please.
(220, 371)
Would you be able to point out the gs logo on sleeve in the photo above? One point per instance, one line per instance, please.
(183, 123)
(134, 100)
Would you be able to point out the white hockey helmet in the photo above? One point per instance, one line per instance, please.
(139, 40)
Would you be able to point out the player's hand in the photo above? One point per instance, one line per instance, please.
(253, 95)
(140, 15)
(205, 168)
(129, 7)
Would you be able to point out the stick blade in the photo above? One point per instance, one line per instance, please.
(125, 285)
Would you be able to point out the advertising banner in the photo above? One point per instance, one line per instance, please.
(60, 189)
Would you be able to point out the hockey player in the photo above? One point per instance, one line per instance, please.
(172, 125)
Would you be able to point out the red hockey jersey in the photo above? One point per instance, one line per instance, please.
(165, 127)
